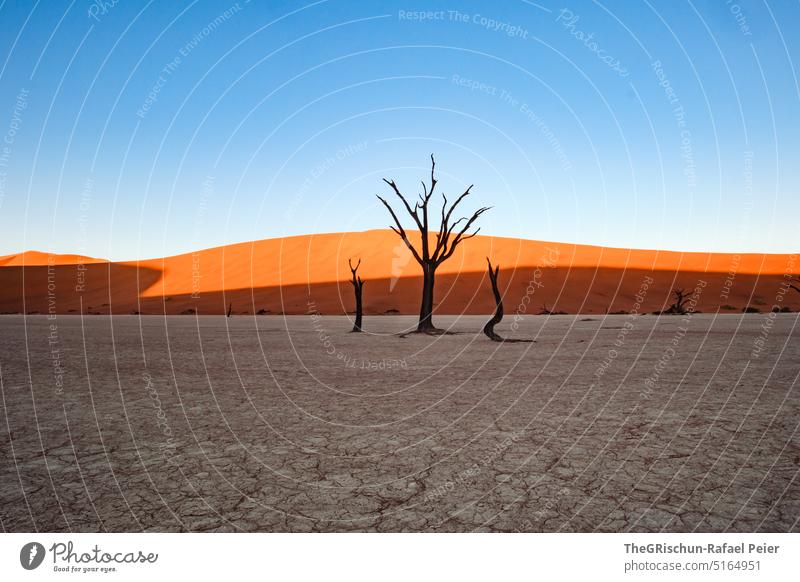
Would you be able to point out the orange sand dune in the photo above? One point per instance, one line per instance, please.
(303, 273)
(36, 258)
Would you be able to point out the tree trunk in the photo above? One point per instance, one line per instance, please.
(357, 326)
(488, 329)
(426, 309)
(358, 288)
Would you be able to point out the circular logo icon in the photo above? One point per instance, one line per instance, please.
(31, 555)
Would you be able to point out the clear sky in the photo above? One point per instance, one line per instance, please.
(144, 129)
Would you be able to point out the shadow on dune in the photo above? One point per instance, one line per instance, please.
(63, 289)
(119, 289)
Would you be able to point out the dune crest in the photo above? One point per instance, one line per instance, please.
(38, 259)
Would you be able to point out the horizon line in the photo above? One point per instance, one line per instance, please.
(388, 230)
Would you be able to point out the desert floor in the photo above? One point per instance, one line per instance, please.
(617, 423)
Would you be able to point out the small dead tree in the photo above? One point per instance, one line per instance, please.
(794, 279)
(431, 254)
(358, 287)
(230, 310)
(679, 307)
(488, 329)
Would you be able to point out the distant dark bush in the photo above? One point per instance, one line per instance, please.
(262, 312)
(728, 307)
(749, 309)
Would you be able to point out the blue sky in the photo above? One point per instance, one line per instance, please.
(134, 130)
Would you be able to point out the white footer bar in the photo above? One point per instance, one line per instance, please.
(389, 557)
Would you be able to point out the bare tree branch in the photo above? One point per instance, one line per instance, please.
(356, 279)
(401, 231)
(460, 236)
(458, 200)
(411, 211)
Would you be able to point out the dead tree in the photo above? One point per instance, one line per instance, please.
(358, 286)
(432, 254)
(794, 279)
(678, 307)
(488, 329)
(230, 310)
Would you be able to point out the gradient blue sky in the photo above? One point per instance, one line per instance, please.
(280, 118)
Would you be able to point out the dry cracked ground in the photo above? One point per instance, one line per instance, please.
(614, 423)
